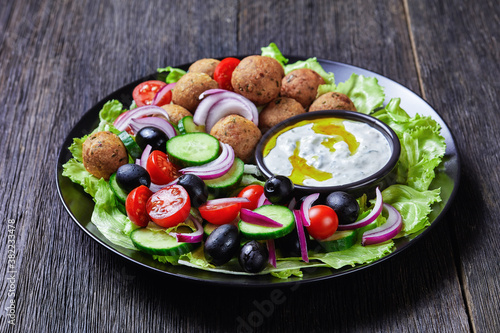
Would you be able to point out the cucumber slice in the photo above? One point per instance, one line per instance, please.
(339, 241)
(187, 125)
(158, 242)
(208, 228)
(121, 207)
(228, 181)
(193, 149)
(132, 147)
(278, 213)
(119, 193)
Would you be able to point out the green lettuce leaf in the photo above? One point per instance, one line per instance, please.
(174, 73)
(312, 63)
(273, 52)
(413, 205)
(110, 221)
(365, 92)
(357, 254)
(422, 147)
(74, 170)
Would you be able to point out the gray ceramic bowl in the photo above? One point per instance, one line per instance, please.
(381, 178)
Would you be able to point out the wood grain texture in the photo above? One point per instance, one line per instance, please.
(458, 49)
(60, 58)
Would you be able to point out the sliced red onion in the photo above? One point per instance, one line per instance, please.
(144, 157)
(386, 231)
(306, 205)
(156, 187)
(377, 209)
(192, 237)
(263, 200)
(272, 252)
(122, 122)
(231, 200)
(249, 216)
(136, 124)
(218, 104)
(301, 234)
(217, 168)
(162, 92)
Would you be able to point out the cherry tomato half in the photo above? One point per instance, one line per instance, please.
(169, 206)
(324, 222)
(144, 93)
(160, 169)
(252, 193)
(223, 213)
(224, 71)
(135, 205)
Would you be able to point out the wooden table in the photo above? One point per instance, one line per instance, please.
(58, 58)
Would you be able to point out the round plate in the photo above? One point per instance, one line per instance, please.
(80, 205)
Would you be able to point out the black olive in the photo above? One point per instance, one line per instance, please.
(345, 205)
(278, 189)
(253, 257)
(130, 176)
(289, 245)
(152, 136)
(222, 244)
(195, 187)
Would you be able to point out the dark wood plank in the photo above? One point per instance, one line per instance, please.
(58, 59)
(458, 51)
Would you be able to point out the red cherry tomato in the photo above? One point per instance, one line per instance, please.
(169, 206)
(165, 99)
(161, 170)
(252, 193)
(144, 93)
(324, 222)
(135, 205)
(224, 71)
(220, 213)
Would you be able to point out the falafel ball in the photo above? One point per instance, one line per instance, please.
(278, 110)
(258, 78)
(332, 101)
(206, 66)
(175, 112)
(240, 133)
(301, 85)
(103, 153)
(188, 89)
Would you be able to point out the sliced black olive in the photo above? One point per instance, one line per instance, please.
(253, 257)
(195, 187)
(130, 176)
(152, 136)
(279, 189)
(345, 205)
(222, 244)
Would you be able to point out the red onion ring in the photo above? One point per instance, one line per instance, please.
(301, 234)
(136, 124)
(386, 231)
(272, 252)
(162, 92)
(216, 168)
(121, 123)
(192, 237)
(377, 209)
(306, 205)
(249, 216)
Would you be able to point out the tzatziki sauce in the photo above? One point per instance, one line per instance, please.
(327, 152)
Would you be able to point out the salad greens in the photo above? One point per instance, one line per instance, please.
(422, 150)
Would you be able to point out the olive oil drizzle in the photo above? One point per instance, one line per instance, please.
(332, 127)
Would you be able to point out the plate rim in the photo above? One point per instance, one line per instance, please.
(249, 281)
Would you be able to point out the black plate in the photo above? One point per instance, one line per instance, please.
(80, 206)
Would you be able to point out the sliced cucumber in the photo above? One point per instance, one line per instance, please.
(159, 242)
(339, 241)
(132, 147)
(187, 125)
(278, 213)
(119, 193)
(228, 181)
(193, 149)
(121, 207)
